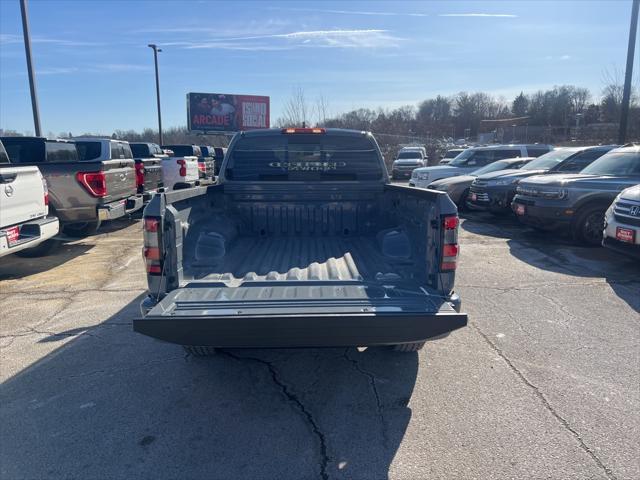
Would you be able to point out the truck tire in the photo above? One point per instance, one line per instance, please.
(83, 229)
(408, 347)
(197, 351)
(588, 225)
(45, 248)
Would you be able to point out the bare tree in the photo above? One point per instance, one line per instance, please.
(296, 110)
(322, 109)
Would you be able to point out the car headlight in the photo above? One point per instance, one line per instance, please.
(506, 181)
(420, 175)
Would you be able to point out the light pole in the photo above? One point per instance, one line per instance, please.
(32, 80)
(626, 94)
(155, 59)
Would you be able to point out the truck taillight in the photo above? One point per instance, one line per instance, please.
(46, 191)
(183, 167)
(202, 167)
(139, 174)
(152, 247)
(450, 247)
(94, 182)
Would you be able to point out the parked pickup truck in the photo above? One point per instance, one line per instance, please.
(302, 243)
(25, 226)
(578, 202)
(82, 193)
(148, 158)
(206, 163)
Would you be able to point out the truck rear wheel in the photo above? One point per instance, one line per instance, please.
(198, 351)
(408, 347)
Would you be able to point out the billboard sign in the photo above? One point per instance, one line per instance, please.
(219, 112)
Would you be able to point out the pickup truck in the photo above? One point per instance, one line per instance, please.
(82, 193)
(148, 158)
(206, 163)
(577, 202)
(25, 226)
(303, 242)
(406, 162)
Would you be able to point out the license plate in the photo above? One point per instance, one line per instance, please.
(520, 209)
(13, 234)
(625, 235)
(474, 197)
(103, 214)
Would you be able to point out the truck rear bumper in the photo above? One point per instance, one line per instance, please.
(308, 323)
(32, 233)
(118, 209)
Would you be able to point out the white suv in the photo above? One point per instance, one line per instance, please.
(622, 223)
(473, 158)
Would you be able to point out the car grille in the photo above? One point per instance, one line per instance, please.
(478, 188)
(627, 211)
(405, 167)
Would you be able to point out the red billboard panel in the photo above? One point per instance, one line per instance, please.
(219, 112)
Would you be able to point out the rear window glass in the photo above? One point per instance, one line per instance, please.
(180, 150)
(61, 152)
(89, 150)
(615, 163)
(407, 155)
(24, 150)
(537, 151)
(4, 158)
(304, 157)
(139, 150)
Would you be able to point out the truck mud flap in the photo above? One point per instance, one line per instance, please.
(295, 315)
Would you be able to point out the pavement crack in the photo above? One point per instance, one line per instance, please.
(374, 388)
(295, 400)
(545, 402)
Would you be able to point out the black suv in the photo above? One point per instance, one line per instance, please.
(494, 191)
(577, 202)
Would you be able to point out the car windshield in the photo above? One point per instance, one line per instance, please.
(550, 160)
(615, 163)
(411, 155)
(462, 158)
(493, 167)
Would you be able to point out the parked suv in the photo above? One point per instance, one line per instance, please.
(82, 193)
(577, 202)
(472, 159)
(26, 228)
(622, 223)
(495, 191)
(406, 162)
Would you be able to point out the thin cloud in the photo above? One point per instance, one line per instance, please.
(94, 68)
(356, 12)
(366, 38)
(481, 15)
(9, 38)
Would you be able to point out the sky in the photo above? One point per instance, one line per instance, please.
(94, 71)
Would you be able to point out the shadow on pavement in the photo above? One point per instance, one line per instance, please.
(557, 252)
(114, 404)
(13, 267)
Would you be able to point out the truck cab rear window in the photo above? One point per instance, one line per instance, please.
(61, 152)
(303, 157)
(89, 150)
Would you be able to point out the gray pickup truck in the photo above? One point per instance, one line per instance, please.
(82, 194)
(302, 243)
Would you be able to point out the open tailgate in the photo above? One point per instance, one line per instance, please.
(295, 314)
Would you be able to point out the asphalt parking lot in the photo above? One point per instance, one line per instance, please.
(543, 383)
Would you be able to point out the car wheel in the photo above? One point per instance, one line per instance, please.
(588, 226)
(408, 347)
(199, 351)
(45, 248)
(81, 229)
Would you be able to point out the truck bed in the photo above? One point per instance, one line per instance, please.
(296, 259)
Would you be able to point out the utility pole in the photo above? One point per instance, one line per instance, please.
(626, 96)
(155, 59)
(32, 80)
